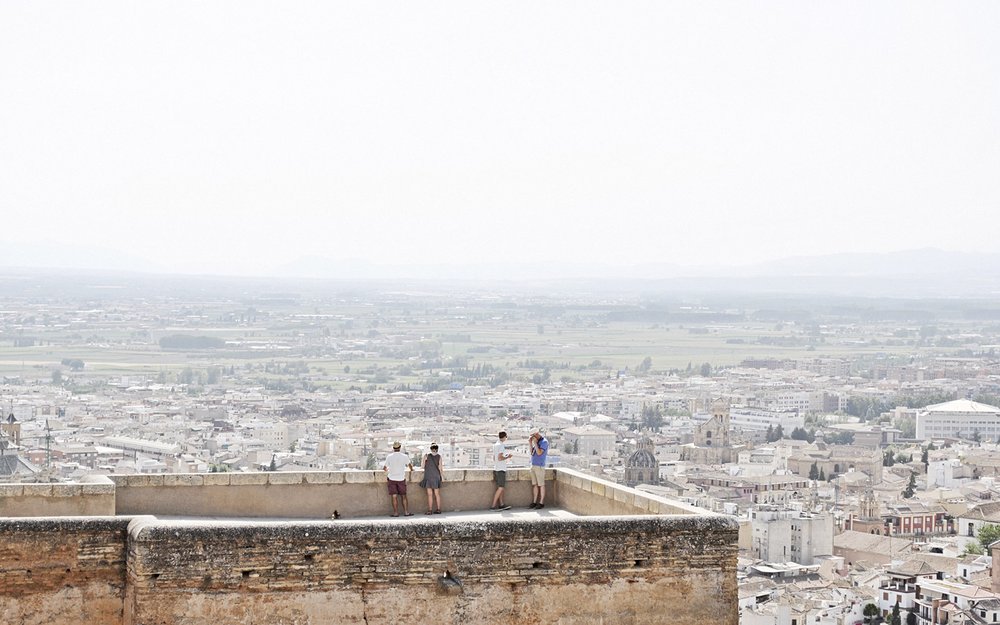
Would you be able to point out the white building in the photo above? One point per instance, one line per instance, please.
(746, 418)
(936, 601)
(272, 434)
(782, 535)
(141, 446)
(476, 454)
(969, 523)
(948, 473)
(961, 418)
(899, 586)
(789, 401)
(589, 440)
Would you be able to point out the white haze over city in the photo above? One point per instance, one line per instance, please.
(240, 137)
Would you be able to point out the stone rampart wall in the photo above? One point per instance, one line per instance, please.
(634, 570)
(62, 571)
(655, 561)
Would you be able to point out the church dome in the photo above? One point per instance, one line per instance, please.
(642, 459)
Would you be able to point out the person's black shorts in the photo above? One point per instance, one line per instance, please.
(500, 477)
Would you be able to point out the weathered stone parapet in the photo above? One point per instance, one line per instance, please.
(63, 571)
(624, 569)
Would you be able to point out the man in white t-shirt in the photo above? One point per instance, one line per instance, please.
(500, 458)
(395, 467)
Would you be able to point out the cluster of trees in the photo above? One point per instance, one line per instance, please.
(816, 473)
(801, 434)
(211, 375)
(870, 611)
(457, 366)
(911, 487)
(840, 438)
(298, 367)
(889, 458)
(988, 534)
(73, 363)
(906, 425)
(871, 407)
(774, 434)
(652, 417)
(533, 363)
(183, 341)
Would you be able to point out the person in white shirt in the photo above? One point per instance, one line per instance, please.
(500, 458)
(395, 467)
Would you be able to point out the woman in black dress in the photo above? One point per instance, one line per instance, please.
(432, 479)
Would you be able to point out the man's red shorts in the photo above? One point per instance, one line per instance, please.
(397, 488)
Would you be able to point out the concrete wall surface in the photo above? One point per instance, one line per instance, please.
(587, 495)
(315, 495)
(308, 494)
(94, 496)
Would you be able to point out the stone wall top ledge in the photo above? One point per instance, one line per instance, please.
(284, 478)
(324, 477)
(362, 530)
(11, 490)
(63, 524)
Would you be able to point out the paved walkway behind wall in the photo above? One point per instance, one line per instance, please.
(470, 515)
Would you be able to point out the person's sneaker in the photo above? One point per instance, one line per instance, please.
(539, 506)
(532, 506)
(504, 508)
(494, 508)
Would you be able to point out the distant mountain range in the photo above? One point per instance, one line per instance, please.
(920, 272)
(920, 263)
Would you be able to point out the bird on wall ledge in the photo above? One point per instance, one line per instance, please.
(449, 584)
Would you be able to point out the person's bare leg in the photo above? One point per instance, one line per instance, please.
(406, 506)
(541, 494)
(498, 497)
(395, 505)
(437, 496)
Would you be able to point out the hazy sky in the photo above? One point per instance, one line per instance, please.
(237, 136)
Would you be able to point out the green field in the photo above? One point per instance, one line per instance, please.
(399, 353)
(314, 336)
